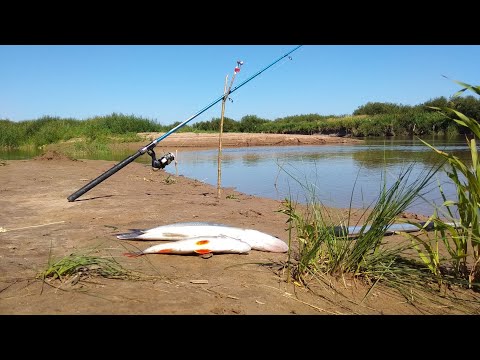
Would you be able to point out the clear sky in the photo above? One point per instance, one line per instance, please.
(170, 83)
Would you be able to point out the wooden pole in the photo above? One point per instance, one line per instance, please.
(224, 100)
(219, 160)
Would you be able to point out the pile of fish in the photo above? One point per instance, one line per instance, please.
(204, 238)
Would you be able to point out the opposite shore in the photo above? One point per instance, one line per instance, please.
(209, 140)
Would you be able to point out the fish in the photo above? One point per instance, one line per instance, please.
(197, 245)
(354, 231)
(184, 230)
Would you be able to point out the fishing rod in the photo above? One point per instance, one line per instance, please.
(169, 157)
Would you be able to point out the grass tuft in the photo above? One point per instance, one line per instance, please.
(80, 266)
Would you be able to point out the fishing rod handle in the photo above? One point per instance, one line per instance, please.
(104, 176)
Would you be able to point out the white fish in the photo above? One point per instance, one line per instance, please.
(198, 245)
(256, 239)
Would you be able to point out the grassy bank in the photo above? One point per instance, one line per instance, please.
(50, 130)
(372, 119)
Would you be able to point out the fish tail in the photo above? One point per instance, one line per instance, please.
(134, 254)
(130, 235)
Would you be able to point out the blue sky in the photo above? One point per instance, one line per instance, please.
(170, 83)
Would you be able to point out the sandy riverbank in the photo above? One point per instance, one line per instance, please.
(38, 222)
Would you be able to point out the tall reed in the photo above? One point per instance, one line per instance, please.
(457, 222)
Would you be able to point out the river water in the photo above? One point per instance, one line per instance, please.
(340, 175)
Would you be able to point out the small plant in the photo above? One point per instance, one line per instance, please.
(325, 249)
(232, 197)
(169, 180)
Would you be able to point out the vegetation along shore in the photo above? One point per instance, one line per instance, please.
(371, 119)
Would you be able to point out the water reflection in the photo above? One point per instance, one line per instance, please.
(19, 154)
(251, 159)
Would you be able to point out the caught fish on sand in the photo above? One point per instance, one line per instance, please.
(180, 231)
(198, 245)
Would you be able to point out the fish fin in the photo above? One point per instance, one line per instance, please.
(203, 251)
(133, 254)
(131, 235)
(202, 242)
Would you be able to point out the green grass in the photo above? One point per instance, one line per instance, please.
(49, 130)
(334, 253)
(75, 264)
(86, 264)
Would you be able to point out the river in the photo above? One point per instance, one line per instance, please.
(341, 175)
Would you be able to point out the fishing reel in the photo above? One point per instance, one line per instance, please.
(163, 161)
